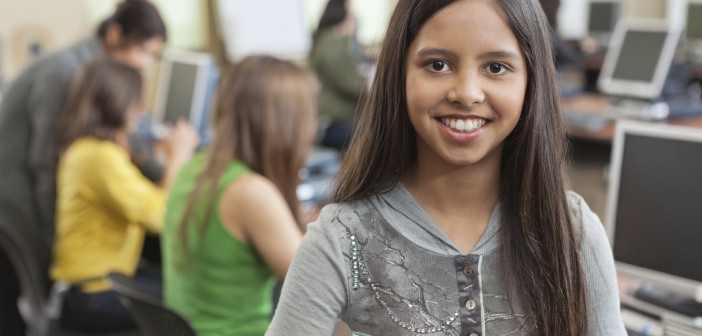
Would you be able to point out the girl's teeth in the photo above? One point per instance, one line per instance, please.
(462, 125)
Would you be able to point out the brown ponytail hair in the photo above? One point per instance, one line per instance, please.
(265, 117)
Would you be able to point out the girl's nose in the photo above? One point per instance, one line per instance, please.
(466, 91)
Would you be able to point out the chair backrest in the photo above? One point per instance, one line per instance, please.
(21, 247)
(152, 317)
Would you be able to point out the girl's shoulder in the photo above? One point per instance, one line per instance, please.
(96, 150)
(347, 212)
(338, 219)
(586, 223)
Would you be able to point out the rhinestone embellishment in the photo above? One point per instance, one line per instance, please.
(358, 268)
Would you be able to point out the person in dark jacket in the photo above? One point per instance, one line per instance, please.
(341, 65)
(135, 34)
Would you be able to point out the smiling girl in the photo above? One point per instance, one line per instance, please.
(451, 215)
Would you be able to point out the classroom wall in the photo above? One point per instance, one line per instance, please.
(645, 8)
(52, 24)
(186, 20)
(55, 24)
(572, 16)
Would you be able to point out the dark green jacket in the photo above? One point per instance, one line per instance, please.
(338, 62)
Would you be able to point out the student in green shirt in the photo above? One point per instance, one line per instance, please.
(231, 226)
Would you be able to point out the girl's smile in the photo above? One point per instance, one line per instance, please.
(466, 81)
(462, 128)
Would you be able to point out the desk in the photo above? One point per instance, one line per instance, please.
(594, 105)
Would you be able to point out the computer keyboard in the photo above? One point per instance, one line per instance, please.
(671, 301)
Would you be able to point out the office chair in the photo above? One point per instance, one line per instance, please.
(152, 317)
(21, 247)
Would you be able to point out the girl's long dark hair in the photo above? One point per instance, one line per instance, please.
(265, 117)
(539, 241)
(99, 101)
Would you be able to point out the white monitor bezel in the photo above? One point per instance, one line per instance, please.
(638, 89)
(204, 62)
(671, 282)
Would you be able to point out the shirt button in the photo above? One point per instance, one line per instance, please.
(474, 334)
(467, 271)
(471, 304)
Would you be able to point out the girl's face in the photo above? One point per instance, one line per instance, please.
(466, 80)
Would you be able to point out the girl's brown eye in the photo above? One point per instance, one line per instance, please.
(438, 65)
(496, 68)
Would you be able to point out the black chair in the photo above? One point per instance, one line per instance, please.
(20, 245)
(152, 317)
(25, 260)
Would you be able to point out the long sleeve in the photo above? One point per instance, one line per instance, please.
(315, 289)
(104, 205)
(125, 190)
(45, 103)
(604, 314)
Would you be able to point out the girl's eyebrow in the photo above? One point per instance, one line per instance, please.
(502, 54)
(435, 52)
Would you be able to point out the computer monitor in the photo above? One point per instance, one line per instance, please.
(184, 89)
(654, 215)
(693, 27)
(639, 58)
(602, 16)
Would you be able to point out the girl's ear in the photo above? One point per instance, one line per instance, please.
(113, 35)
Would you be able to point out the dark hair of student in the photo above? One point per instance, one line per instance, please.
(539, 242)
(139, 21)
(333, 14)
(265, 116)
(100, 100)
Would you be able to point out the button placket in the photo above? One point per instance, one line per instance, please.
(469, 291)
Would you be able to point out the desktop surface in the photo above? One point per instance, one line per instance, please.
(583, 111)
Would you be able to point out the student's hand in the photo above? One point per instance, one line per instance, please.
(180, 143)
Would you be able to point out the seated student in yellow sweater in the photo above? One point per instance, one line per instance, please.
(104, 204)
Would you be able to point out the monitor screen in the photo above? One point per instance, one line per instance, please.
(657, 218)
(180, 92)
(603, 16)
(639, 56)
(694, 21)
(185, 89)
(638, 59)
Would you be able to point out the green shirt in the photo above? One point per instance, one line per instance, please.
(220, 284)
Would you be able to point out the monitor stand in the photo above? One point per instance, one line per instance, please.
(669, 300)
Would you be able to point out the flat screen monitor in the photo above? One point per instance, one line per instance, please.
(184, 88)
(654, 217)
(603, 16)
(638, 59)
(693, 28)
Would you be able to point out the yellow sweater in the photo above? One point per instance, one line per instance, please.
(104, 205)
